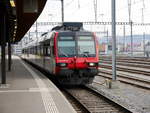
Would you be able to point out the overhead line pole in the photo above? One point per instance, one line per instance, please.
(62, 10)
(95, 9)
(36, 33)
(124, 35)
(113, 2)
(131, 25)
(144, 51)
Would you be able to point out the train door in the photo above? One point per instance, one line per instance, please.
(52, 55)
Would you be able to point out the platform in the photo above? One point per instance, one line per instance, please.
(28, 91)
(135, 99)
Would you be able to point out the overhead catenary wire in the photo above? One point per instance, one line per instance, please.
(69, 3)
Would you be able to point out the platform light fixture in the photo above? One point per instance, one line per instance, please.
(12, 3)
(15, 32)
(15, 27)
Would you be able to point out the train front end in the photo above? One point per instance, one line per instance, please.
(76, 57)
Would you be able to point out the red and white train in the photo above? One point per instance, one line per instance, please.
(68, 53)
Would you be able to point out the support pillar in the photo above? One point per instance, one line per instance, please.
(3, 44)
(3, 39)
(9, 55)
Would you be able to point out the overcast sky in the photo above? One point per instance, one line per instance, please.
(83, 10)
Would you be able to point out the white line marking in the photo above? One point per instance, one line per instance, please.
(49, 104)
(14, 91)
(28, 91)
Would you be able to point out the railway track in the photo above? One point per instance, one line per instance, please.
(128, 59)
(128, 71)
(129, 62)
(126, 78)
(91, 101)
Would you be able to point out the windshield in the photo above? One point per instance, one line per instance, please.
(66, 46)
(86, 46)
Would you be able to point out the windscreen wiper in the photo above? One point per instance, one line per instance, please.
(86, 53)
(62, 52)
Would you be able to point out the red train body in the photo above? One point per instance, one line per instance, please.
(71, 56)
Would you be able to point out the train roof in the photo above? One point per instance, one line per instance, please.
(69, 26)
(75, 32)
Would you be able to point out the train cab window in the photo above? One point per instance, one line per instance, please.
(86, 46)
(66, 46)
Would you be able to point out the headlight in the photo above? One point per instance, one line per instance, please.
(91, 64)
(62, 64)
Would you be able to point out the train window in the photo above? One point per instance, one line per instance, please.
(38, 50)
(48, 51)
(85, 38)
(41, 50)
(66, 46)
(66, 38)
(45, 50)
(109, 47)
(52, 46)
(31, 51)
(86, 46)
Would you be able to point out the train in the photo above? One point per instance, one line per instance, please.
(67, 52)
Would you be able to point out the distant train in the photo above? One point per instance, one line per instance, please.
(67, 52)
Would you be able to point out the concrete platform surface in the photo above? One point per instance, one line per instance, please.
(28, 91)
(135, 99)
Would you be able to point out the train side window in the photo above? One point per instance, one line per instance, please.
(48, 51)
(45, 50)
(41, 50)
(33, 50)
(52, 45)
(52, 48)
(38, 50)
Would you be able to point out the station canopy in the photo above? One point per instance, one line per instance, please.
(20, 15)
